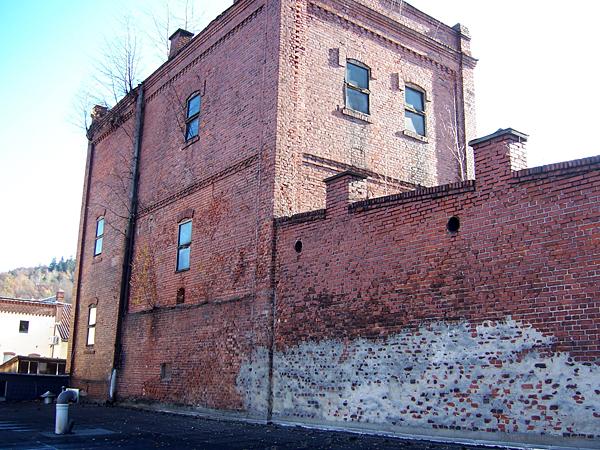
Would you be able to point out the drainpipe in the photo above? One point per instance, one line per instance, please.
(129, 240)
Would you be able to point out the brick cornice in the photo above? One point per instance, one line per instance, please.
(353, 10)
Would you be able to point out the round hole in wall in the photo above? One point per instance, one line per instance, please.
(453, 224)
(298, 246)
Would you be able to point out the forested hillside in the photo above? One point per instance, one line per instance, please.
(39, 282)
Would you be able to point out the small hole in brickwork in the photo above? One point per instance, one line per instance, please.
(453, 224)
(298, 246)
(165, 371)
(180, 295)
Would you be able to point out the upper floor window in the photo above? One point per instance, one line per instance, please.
(184, 240)
(99, 236)
(357, 87)
(24, 326)
(414, 111)
(192, 117)
(91, 328)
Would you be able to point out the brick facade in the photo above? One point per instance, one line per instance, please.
(286, 277)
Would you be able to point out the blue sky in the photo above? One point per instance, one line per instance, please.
(537, 73)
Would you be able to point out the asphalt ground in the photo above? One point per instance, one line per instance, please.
(31, 426)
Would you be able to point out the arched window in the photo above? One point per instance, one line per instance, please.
(414, 111)
(192, 117)
(99, 236)
(184, 241)
(357, 86)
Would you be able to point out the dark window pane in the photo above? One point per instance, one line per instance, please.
(414, 98)
(356, 100)
(61, 369)
(193, 106)
(98, 246)
(185, 233)
(191, 129)
(23, 367)
(23, 326)
(357, 76)
(414, 122)
(183, 258)
(33, 366)
(100, 227)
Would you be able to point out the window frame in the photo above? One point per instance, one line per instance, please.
(354, 87)
(184, 246)
(411, 109)
(194, 117)
(99, 237)
(91, 326)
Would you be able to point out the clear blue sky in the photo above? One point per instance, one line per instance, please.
(538, 73)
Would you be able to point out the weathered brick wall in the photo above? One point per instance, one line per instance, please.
(99, 276)
(223, 182)
(318, 139)
(386, 319)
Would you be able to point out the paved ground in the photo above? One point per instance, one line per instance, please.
(31, 425)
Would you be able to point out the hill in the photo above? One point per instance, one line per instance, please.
(39, 282)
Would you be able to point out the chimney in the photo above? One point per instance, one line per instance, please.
(179, 39)
(60, 295)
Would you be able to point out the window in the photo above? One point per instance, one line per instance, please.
(99, 236)
(192, 117)
(357, 87)
(91, 332)
(24, 326)
(184, 241)
(414, 111)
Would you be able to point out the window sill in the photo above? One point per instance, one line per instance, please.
(193, 140)
(89, 351)
(415, 136)
(97, 259)
(182, 270)
(356, 114)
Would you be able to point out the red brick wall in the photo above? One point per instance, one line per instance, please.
(317, 139)
(493, 328)
(223, 181)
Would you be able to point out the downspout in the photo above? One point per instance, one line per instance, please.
(273, 311)
(129, 240)
(81, 250)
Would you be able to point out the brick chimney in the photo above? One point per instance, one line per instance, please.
(60, 295)
(179, 39)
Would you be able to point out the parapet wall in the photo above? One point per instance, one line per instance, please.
(391, 316)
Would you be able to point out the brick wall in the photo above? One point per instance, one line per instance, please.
(318, 137)
(386, 319)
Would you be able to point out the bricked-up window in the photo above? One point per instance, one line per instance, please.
(414, 111)
(99, 236)
(91, 329)
(357, 87)
(24, 326)
(192, 118)
(184, 240)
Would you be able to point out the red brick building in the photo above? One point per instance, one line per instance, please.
(265, 231)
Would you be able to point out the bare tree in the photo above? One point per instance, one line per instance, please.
(118, 69)
(456, 145)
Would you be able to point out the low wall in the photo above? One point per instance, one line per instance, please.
(20, 387)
